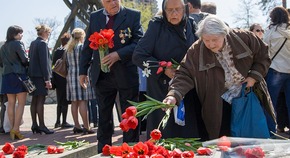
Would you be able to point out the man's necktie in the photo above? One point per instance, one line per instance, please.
(110, 23)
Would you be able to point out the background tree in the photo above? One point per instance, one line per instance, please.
(52, 23)
(245, 16)
(268, 5)
(148, 11)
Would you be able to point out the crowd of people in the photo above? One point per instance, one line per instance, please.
(215, 60)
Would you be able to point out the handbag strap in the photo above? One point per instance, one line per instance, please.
(279, 49)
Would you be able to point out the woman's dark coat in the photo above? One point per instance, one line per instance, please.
(164, 42)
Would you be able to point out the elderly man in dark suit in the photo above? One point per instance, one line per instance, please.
(123, 75)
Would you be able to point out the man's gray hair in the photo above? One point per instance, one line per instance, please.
(212, 25)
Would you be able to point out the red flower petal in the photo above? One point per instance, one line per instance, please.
(162, 63)
(8, 148)
(131, 111)
(106, 150)
(224, 141)
(132, 122)
(140, 148)
(159, 70)
(124, 126)
(155, 134)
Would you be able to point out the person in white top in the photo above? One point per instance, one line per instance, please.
(277, 36)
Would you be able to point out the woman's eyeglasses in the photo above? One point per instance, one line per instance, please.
(172, 10)
(258, 30)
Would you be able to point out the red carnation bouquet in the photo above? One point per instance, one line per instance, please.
(102, 41)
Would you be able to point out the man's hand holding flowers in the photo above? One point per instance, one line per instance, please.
(110, 59)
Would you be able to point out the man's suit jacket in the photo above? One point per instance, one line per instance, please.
(124, 70)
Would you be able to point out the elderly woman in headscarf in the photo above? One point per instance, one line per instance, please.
(168, 38)
(217, 65)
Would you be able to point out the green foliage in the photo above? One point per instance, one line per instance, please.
(147, 11)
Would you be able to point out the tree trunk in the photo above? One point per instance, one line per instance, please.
(284, 3)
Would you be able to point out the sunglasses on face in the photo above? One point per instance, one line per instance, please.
(258, 30)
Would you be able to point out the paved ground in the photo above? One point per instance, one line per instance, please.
(61, 135)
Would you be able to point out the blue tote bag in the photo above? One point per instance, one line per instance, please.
(248, 117)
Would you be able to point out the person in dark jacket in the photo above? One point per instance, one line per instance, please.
(123, 75)
(3, 98)
(40, 73)
(60, 86)
(168, 37)
(14, 61)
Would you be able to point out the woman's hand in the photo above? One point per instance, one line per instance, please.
(169, 100)
(84, 79)
(250, 82)
(170, 72)
(48, 85)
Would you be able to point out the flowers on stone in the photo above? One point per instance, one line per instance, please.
(2, 155)
(19, 154)
(51, 149)
(8, 148)
(156, 134)
(256, 152)
(204, 151)
(155, 148)
(22, 148)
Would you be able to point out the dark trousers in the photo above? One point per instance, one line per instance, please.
(226, 120)
(106, 91)
(62, 103)
(3, 99)
(93, 111)
(282, 112)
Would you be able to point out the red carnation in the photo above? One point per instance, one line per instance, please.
(22, 148)
(140, 148)
(155, 134)
(19, 154)
(8, 148)
(188, 154)
(131, 111)
(132, 122)
(106, 150)
(2, 155)
(124, 126)
(159, 70)
(162, 63)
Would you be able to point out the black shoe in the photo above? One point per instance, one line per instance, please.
(57, 125)
(45, 130)
(66, 125)
(35, 129)
(2, 131)
(77, 130)
(88, 131)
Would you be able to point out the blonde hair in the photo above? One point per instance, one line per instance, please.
(42, 28)
(77, 36)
